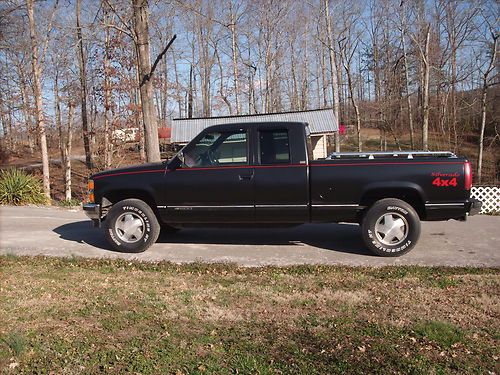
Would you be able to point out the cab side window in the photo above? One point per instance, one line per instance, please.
(226, 148)
(274, 146)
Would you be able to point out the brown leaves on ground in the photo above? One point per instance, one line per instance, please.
(113, 306)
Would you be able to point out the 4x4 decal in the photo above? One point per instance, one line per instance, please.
(445, 179)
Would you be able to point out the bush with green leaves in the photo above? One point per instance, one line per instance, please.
(19, 188)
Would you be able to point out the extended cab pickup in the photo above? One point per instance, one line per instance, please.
(263, 174)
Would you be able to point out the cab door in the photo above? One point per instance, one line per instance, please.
(281, 177)
(215, 184)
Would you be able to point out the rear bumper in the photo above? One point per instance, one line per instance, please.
(456, 210)
(93, 211)
(474, 206)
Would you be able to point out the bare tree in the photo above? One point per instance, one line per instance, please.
(402, 67)
(139, 33)
(403, 32)
(425, 90)
(486, 84)
(67, 150)
(426, 69)
(333, 70)
(457, 26)
(83, 86)
(108, 144)
(234, 55)
(141, 30)
(37, 88)
(348, 42)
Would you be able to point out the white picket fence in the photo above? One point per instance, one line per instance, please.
(489, 195)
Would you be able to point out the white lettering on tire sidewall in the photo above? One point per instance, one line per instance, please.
(144, 217)
(380, 246)
(396, 208)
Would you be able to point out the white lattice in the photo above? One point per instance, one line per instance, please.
(489, 195)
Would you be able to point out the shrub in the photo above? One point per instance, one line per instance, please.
(19, 188)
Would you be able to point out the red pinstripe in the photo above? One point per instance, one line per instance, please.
(279, 166)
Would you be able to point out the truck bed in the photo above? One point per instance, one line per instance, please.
(344, 184)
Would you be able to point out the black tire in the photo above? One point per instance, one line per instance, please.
(123, 218)
(381, 230)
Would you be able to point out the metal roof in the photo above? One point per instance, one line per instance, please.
(320, 121)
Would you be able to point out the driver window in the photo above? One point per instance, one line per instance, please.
(228, 148)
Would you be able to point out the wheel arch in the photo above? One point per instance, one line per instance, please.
(407, 192)
(113, 196)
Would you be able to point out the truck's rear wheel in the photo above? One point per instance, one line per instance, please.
(391, 227)
(131, 226)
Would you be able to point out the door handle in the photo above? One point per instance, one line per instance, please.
(247, 177)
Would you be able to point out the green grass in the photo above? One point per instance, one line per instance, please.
(15, 341)
(113, 316)
(443, 333)
(69, 203)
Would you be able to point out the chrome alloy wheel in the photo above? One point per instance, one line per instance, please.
(129, 227)
(391, 229)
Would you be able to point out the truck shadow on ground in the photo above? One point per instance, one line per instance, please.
(344, 238)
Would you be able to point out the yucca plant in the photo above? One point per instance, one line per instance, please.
(19, 188)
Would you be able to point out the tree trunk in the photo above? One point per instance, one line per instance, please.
(6, 113)
(454, 93)
(57, 108)
(177, 85)
(108, 151)
(294, 100)
(7, 134)
(190, 94)
(407, 89)
(67, 151)
(481, 135)
(334, 74)
(26, 107)
(137, 117)
(37, 88)
(232, 27)
(347, 69)
(425, 93)
(221, 83)
(141, 28)
(304, 89)
(87, 137)
(486, 74)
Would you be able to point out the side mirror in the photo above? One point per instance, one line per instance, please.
(177, 161)
(180, 156)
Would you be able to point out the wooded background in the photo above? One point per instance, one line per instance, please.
(422, 74)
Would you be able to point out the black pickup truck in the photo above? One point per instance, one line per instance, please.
(263, 174)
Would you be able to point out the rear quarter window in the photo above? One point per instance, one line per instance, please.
(274, 146)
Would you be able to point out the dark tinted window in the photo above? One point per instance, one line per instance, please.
(274, 147)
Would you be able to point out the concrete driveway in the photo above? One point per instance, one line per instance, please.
(60, 232)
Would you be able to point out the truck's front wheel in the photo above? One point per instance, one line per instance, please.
(391, 227)
(131, 226)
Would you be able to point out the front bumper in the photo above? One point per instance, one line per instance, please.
(93, 211)
(474, 206)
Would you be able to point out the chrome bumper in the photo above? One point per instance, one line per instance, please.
(93, 211)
